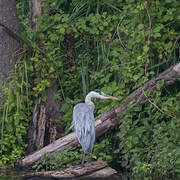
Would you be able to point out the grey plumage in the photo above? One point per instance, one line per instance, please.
(84, 126)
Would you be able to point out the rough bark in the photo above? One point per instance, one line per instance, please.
(107, 120)
(8, 45)
(52, 105)
(43, 128)
(36, 11)
(98, 169)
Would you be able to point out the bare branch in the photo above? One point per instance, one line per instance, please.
(156, 105)
(119, 35)
(149, 33)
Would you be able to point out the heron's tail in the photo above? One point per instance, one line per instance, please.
(87, 143)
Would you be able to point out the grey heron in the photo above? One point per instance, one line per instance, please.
(84, 122)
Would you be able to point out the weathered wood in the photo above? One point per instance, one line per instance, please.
(36, 130)
(40, 123)
(102, 173)
(43, 128)
(106, 120)
(92, 169)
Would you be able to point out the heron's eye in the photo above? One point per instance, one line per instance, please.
(97, 90)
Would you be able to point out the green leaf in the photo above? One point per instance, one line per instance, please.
(136, 77)
(146, 48)
(158, 28)
(105, 23)
(156, 35)
(140, 26)
(62, 30)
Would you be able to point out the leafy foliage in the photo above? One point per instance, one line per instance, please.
(67, 158)
(150, 142)
(70, 157)
(15, 112)
(115, 46)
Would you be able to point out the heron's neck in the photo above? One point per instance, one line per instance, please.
(89, 102)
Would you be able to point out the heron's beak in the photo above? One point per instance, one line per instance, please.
(111, 97)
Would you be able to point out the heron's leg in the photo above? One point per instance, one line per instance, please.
(90, 157)
(83, 158)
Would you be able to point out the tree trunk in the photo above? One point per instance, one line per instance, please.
(36, 11)
(43, 129)
(8, 45)
(107, 120)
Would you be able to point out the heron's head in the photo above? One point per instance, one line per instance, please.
(99, 94)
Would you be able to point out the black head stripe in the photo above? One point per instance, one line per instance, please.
(97, 90)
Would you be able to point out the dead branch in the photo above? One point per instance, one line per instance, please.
(149, 33)
(156, 105)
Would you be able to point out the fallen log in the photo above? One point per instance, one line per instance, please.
(106, 120)
(98, 169)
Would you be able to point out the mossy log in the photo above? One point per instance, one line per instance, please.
(98, 169)
(106, 120)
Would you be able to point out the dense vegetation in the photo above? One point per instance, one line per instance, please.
(112, 45)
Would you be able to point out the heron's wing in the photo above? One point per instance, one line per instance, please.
(84, 125)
